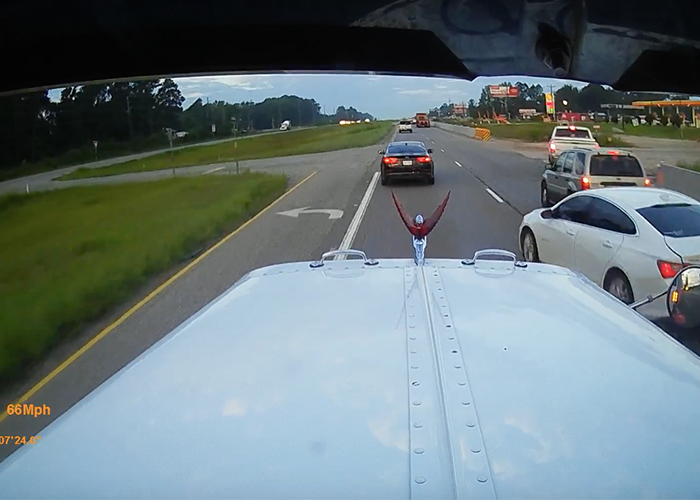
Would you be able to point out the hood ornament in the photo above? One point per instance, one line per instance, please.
(420, 227)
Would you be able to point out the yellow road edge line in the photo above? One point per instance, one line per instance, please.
(146, 299)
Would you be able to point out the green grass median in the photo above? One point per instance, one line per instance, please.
(70, 255)
(294, 142)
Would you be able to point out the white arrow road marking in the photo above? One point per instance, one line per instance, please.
(495, 196)
(332, 212)
(214, 170)
(458, 164)
(359, 215)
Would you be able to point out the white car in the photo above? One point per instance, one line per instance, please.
(405, 126)
(631, 241)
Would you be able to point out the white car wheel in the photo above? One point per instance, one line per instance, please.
(618, 285)
(530, 247)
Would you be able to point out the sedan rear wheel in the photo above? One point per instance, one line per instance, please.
(529, 244)
(617, 284)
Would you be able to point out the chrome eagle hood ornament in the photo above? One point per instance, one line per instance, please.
(419, 227)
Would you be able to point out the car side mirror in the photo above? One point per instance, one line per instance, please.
(430, 150)
(683, 298)
(381, 152)
(547, 214)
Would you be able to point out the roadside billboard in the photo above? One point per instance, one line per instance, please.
(503, 91)
(549, 101)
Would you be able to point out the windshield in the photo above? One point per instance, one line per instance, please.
(573, 134)
(153, 196)
(615, 166)
(408, 150)
(680, 220)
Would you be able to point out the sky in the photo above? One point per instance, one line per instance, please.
(384, 97)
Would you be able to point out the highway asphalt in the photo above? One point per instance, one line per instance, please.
(490, 191)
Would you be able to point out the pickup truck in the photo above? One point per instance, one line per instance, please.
(569, 137)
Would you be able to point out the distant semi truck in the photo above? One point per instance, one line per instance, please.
(286, 125)
(422, 120)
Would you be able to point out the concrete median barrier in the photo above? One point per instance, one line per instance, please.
(480, 134)
(678, 179)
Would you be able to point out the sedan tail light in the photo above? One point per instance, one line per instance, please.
(423, 159)
(669, 270)
(390, 160)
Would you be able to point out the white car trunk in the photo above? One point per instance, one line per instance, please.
(687, 248)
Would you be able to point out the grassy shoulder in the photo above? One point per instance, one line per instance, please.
(294, 142)
(689, 166)
(72, 254)
(541, 132)
(106, 151)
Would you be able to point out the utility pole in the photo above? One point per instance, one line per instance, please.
(128, 112)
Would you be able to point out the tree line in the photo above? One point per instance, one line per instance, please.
(578, 100)
(96, 121)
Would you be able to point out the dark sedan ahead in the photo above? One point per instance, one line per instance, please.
(407, 159)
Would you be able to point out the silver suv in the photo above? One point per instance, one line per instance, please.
(581, 169)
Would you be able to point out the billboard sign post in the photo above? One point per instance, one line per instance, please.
(549, 101)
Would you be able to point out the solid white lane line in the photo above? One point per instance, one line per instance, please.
(359, 215)
(442, 150)
(495, 196)
(214, 170)
(458, 164)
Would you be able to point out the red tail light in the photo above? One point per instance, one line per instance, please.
(668, 270)
(647, 182)
(552, 147)
(585, 183)
(390, 160)
(423, 159)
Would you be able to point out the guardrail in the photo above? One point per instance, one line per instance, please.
(480, 134)
(678, 179)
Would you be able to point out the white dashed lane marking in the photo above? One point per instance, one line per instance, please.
(495, 196)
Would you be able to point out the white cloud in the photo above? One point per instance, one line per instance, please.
(243, 82)
(191, 95)
(416, 92)
(236, 408)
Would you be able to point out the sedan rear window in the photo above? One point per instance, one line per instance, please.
(573, 134)
(678, 220)
(615, 166)
(402, 150)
